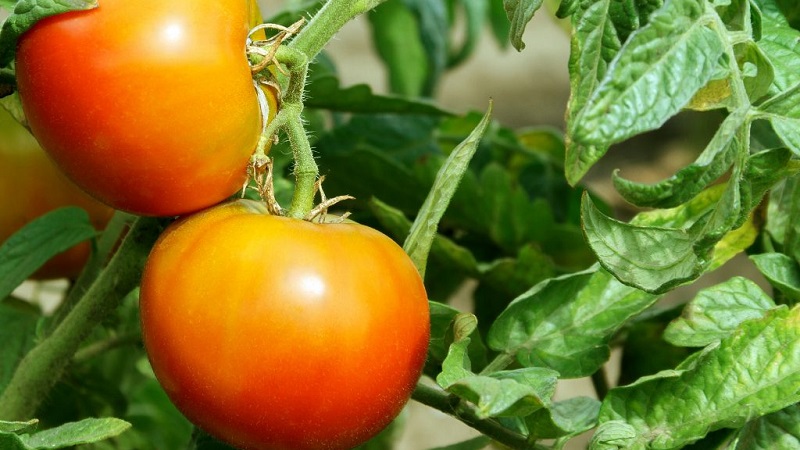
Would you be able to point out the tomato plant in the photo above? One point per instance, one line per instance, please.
(30, 186)
(277, 333)
(156, 116)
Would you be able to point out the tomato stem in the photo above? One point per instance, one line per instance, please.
(333, 15)
(41, 368)
(449, 404)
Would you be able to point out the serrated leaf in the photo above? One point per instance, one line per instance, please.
(433, 34)
(456, 366)
(519, 13)
(85, 431)
(781, 271)
(653, 259)
(777, 431)
(423, 230)
(324, 92)
(18, 427)
(442, 319)
(476, 443)
(712, 163)
(40, 240)
(781, 44)
(653, 76)
(566, 323)
(613, 435)
(396, 37)
(783, 112)
(717, 311)
(593, 45)
(475, 12)
(445, 250)
(28, 12)
(754, 371)
(783, 216)
(508, 393)
(564, 419)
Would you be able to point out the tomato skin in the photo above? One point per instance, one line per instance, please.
(147, 105)
(275, 333)
(30, 186)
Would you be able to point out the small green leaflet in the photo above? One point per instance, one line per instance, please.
(777, 431)
(782, 272)
(28, 12)
(717, 311)
(70, 434)
(38, 241)
(754, 371)
(566, 323)
(423, 230)
(520, 12)
(653, 76)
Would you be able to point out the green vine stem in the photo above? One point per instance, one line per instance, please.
(41, 368)
(449, 404)
(296, 56)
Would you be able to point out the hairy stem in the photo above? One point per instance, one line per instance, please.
(449, 404)
(41, 368)
(327, 22)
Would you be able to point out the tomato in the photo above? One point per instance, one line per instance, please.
(30, 185)
(148, 105)
(277, 333)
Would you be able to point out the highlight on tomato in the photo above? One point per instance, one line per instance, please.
(30, 186)
(149, 106)
(276, 333)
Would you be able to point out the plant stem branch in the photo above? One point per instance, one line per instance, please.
(41, 368)
(449, 404)
(333, 15)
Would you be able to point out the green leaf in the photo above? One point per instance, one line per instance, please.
(783, 216)
(756, 69)
(783, 112)
(653, 259)
(457, 364)
(324, 92)
(433, 34)
(499, 22)
(653, 76)
(566, 323)
(777, 431)
(40, 240)
(12, 442)
(781, 44)
(17, 333)
(475, 12)
(28, 12)
(594, 44)
(476, 443)
(396, 36)
(712, 163)
(443, 249)
(519, 13)
(644, 351)
(613, 435)
(508, 393)
(423, 230)
(18, 427)
(7, 4)
(782, 272)
(443, 322)
(716, 312)
(85, 431)
(564, 419)
(754, 371)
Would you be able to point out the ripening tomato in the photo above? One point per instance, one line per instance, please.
(277, 333)
(31, 185)
(148, 105)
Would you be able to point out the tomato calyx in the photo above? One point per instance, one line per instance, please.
(260, 171)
